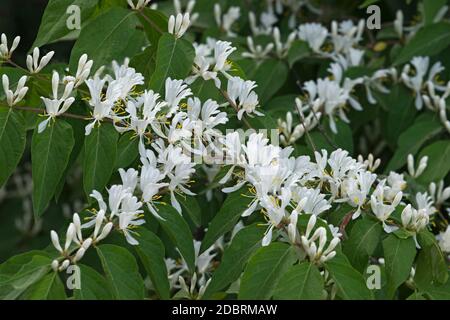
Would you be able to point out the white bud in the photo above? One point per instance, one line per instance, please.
(55, 240)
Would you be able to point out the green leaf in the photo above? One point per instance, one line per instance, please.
(189, 205)
(438, 161)
(363, 240)
(301, 282)
(21, 271)
(93, 286)
(121, 272)
(145, 63)
(298, 51)
(431, 8)
(399, 255)
(424, 128)
(401, 112)
(154, 23)
(227, 217)
(152, 254)
(50, 287)
(110, 36)
(439, 291)
(174, 59)
(235, 257)
(264, 76)
(428, 41)
(12, 141)
(50, 152)
(100, 149)
(54, 21)
(431, 266)
(179, 232)
(342, 139)
(264, 269)
(350, 283)
(127, 150)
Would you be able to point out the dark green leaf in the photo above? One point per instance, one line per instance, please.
(438, 161)
(428, 41)
(50, 152)
(93, 286)
(180, 234)
(227, 217)
(399, 255)
(362, 242)
(301, 282)
(50, 287)
(99, 157)
(174, 59)
(12, 141)
(122, 272)
(350, 283)
(235, 257)
(264, 270)
(152, 254)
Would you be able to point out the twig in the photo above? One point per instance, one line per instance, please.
(42, 111)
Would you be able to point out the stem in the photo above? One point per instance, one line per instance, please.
(42, 111)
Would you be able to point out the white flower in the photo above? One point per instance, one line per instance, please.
(33, 64)
(444, 240)
(242, 95)
(420, 169)
(314, 244)
(178, 25)
(414, 220)
(176, 91)
(314, 34)
(127, 222)
(83, 71)
(381, 210)
(53, 106)
(257, 52)
(129, 179)
(5, 52)
(226, 20)
(438, 194)
(139, 5)
(13, 98)
(282, 49)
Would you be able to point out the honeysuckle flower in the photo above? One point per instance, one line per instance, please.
(5, 52)
(370, 163)
(176, 90)
(125, 79)
(129, 179)
(398, 23)
(444, 240)
(314, 243)
(33, 64)
(425, 202)
(55, 240)
(257, 52)
(150, 183)
(178, 25)
(414, 220)
(357, 189)
(189, 8)
(420, 169)
(56, 106)
(282, 49)
(128, 221)
(315, 202)
(139, 4)
(346, 34)
(242, 95)
(382, 210)
(438, 194)
(418, 80)
(13, 98)
(395, 183)
(225, 21)
(314, 34)
(267, 20)
(83, 71)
